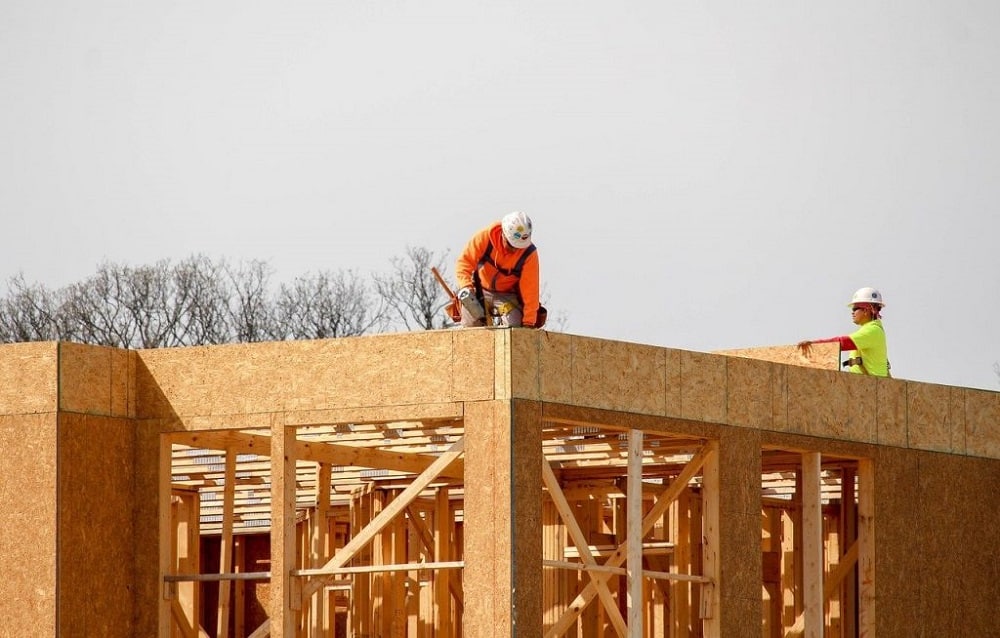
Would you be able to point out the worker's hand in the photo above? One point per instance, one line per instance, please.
(805, 347)
(466, 292)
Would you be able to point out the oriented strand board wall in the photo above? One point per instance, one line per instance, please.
(28, 521)
(937, 517)
(752, 393)
(958, 551)
(96, 540)
(28, 488)
(740, 525)
(96, 380)
(400, 369)
(96, 477)
(821, 355)
(28, 378)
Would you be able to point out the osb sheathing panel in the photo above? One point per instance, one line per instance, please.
(821, 355)
(743, 389)
(488, 524)
(767, 396)
(750, 400)
(503, 443)
(619, 376)
(28, 521)
(930, 422)
(831, 404)
(96, 469)
(145, 525)
(96, 380)
(703, 387)
(596, 373)
(898, 562)
(526, 476)
(398, 369)
(739, 520)
(890, 412)
(935, 539)
(28, 378)
(982, 423)
(959, 545)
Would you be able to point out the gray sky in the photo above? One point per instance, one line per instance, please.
(702, 175)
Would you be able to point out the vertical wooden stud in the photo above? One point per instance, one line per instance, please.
(866, 548)
(634, 534)
(711, 544)
(812, 544)
(319, 546)
(166, 535)
(283, 617)
(226, 544)
(442, 552)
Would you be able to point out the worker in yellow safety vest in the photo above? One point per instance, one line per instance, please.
(868, 353)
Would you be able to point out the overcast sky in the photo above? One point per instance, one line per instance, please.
(702, 175)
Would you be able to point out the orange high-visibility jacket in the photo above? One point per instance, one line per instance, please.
(506, 257)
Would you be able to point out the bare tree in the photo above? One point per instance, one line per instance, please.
(411, 293)
(29, 313)
(156, 306)
(326, 305)
(92, 312)
(250, 313)
(199, 301)
(203, 296)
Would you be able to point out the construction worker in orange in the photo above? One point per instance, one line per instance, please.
(497, 275)
(868, 353)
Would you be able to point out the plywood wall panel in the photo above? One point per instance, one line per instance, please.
(899, 564)
(816, 400)
(487, 521)
(890, 418)
(982, 423)
(958, 529)
(555, 368)
(95, 379)
(703, 387)
(956, 419)
(586, 372)
(393, 369)
(674, 387)
(861, 423)
(739, 526)
(526, 514)
(28, 378)
(638, 373)
(473, 369)
(96, 503)
(740, 466)
(779, 398)
(928, 417)
(605, 374)
(821, 355)
(28, 511)
(145, 521)
(501, 362)
(749, 400)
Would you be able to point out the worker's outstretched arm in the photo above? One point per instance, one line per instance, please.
(846, 343)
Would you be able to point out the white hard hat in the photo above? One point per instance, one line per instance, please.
(517, 229)
(867, 295)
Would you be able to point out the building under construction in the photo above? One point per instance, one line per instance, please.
(489, 483)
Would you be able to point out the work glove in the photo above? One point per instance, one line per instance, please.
(467, 297)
